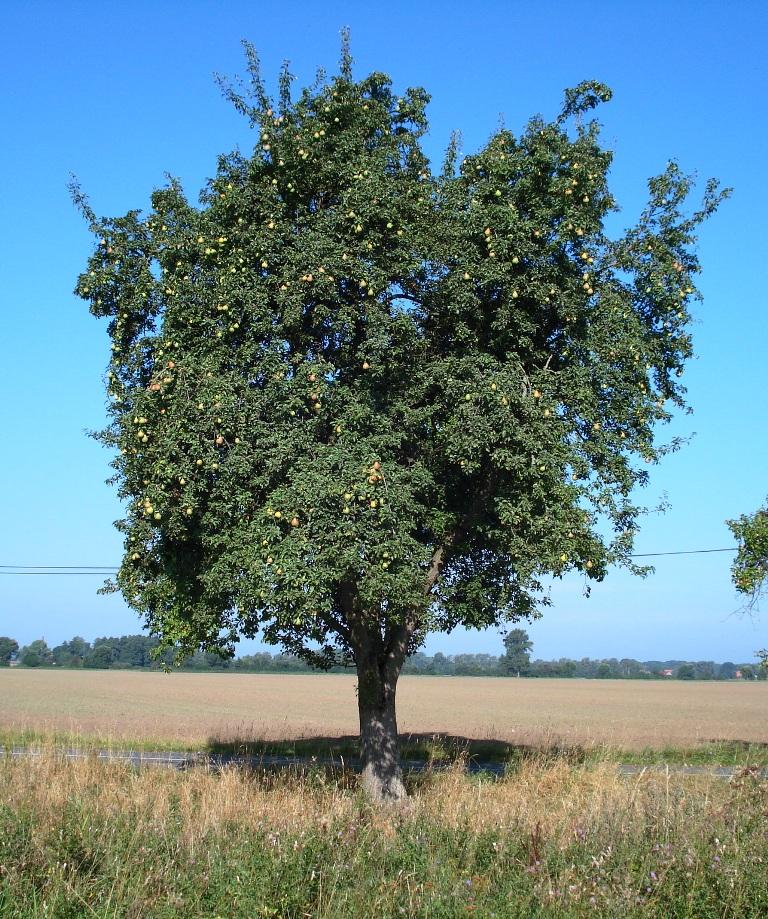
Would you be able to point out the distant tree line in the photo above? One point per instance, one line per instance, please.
(601, 668)
(132, 652)
(139, 652)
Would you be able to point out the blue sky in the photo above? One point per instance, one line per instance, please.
(122, 94)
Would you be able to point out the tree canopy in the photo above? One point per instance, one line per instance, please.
(517, 656)
(355, 399)
(750, 567)
(749, 571)
(8, 648)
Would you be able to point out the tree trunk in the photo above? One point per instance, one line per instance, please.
(378, 659)
(382, 778)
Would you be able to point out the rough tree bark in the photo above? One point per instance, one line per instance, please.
(382, 777)
(378, 660)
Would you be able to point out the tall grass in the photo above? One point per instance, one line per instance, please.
(555, 838)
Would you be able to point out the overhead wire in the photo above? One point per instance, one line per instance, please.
(58, 569)
(110, 569)
(63, 567)
(684, 552)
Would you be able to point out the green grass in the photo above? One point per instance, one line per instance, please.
(30, 737)
(716, 753)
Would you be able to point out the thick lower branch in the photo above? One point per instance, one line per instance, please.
(438, 559)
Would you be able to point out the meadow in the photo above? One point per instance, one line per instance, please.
(561, 834)
(551, 839)
(193, 710)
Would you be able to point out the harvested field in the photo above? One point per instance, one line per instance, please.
(194, 709)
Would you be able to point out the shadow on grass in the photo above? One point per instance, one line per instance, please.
(440, 750)
(425, 749)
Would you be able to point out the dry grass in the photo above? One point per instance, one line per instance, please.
(555, 800)
(193, 709)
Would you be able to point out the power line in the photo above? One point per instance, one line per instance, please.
(684, 552)
(28, 570)
(107, 569)
(62, 567)
(59, 573)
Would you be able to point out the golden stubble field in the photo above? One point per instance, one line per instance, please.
(197, 708)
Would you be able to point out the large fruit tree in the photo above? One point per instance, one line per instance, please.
(355, 400)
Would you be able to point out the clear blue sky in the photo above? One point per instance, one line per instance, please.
(123, 93)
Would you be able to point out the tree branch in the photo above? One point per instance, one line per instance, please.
(334, 623)
(364, 641)
(437, 560)
(397, 648)
(453, 536)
